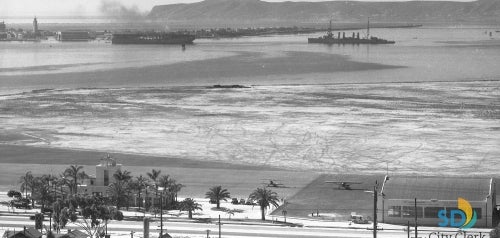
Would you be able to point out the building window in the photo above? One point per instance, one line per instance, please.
(394, 211)
(432, 212)
(409, 211)
(106, 177)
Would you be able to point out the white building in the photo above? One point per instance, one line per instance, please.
(98, 184)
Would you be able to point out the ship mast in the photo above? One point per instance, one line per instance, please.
(368, 29)
(329, 33)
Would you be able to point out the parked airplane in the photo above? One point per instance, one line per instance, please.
(344, 184)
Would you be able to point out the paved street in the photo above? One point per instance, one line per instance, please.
(239, 229)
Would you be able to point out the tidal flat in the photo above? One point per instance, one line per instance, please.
(438, 128)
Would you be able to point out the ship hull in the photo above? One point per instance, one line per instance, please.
(351, 41)
(159, 39)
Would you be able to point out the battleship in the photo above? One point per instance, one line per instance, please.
(329, 38)
(152, 38)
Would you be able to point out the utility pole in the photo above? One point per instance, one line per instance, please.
(50, 221)
(161, 214)
(408, 229)
(219, 227)
(375, 211)
(416, 232)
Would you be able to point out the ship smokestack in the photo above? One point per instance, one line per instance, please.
(353, 35)
(357, 36)
(338, 35)
(343, 35)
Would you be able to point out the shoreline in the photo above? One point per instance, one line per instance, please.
(245, 86)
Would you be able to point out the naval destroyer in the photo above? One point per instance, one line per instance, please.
(329, 38)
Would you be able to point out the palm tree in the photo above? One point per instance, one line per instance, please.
(61, 182)
(122, 176)
(118, 194)
(119, 189)
(73, 173)
(42, 190)
(154, 175)
(176, 188)
(190, 205)
(138, 184)
(26, 182)
(166, 183)
(265, 198)
(217, 193)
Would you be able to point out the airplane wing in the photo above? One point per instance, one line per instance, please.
(343, 182)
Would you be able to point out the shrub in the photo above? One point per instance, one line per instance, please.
(14, 193)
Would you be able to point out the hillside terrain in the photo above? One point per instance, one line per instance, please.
(247, 11)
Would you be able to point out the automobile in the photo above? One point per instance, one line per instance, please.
(358, 219)
(21, 203)
(234, 201)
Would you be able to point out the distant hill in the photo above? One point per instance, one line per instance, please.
(247, 11)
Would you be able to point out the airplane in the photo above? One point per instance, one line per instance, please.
(274, 184)
(344, 184)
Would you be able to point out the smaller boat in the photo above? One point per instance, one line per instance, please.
(329, 38)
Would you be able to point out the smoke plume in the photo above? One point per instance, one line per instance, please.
(114, 8)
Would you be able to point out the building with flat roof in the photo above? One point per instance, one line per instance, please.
(98, 184)
(403, 198)
(75, 35)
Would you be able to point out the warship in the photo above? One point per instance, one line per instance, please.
(152, 38)
(329, 38)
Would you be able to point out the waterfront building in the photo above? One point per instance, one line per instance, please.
(3, 27)
(402, 199)
(75, 35)
(98, 184)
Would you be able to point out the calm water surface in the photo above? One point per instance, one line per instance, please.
(424, 54)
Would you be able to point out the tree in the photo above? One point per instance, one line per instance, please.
(41, 191)
(217, 193)
(139, 184)
(176, 188)
(26, 183)
(264, 198)
(62, 213)
(14, 194)
(117, 192)
(154, 175)
(73, 174)
(190, 205)
(60, 183)
(122, 176)
(95, 215)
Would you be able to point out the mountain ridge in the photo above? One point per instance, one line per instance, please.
(343, 11)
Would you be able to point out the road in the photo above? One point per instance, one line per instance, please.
(235, 229)
(184, 228)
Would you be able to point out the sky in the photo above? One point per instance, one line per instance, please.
(93, 7)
